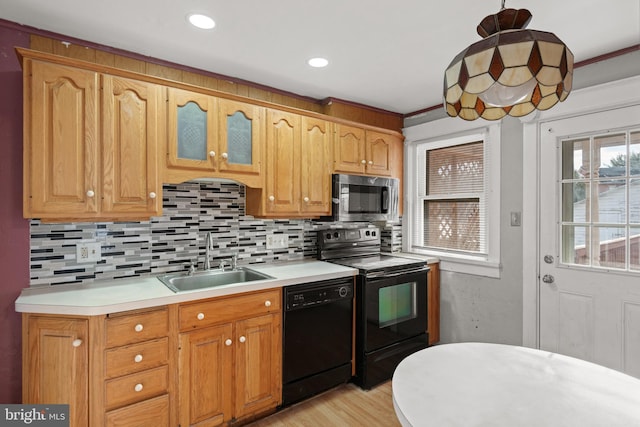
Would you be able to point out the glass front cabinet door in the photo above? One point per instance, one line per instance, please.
(192, 130)
(240, 128)
(216, 135)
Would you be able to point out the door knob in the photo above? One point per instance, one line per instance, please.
(547, 278)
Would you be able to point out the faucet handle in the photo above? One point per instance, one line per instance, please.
(192, 267)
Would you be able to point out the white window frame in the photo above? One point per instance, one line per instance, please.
(445, 133)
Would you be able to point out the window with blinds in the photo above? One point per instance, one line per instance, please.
(453, 198)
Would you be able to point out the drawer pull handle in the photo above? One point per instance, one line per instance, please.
(228, 342)
(138, 387)
(267, 303)
(200, 316)
(138, 358)
(242, 339)
(77, 342)
(138, 327)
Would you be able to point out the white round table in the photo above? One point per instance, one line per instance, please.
(476, 384)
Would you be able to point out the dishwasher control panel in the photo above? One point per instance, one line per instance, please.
(301, 296)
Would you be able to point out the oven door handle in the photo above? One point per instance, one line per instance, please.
(382, 274)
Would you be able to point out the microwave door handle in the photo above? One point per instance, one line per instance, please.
(385, 200)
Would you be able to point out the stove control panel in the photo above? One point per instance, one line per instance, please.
(350, 235)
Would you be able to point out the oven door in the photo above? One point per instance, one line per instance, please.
(394, 308)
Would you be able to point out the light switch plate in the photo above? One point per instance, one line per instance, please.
(277, 241)
(515, 219)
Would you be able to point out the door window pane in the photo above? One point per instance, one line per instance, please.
(600, 197)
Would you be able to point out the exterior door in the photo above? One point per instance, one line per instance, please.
(589, 265)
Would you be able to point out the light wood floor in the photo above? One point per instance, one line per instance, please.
(344, 406)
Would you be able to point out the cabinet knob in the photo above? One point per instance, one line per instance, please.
(225, 155)
(152, 195)
(363, 161)
(242, 339)
(90, 193)
(138, 387)
(138, 327)
(370, 162)
(200, 316)
(77, 342)
(228, 342)
(271, 198)
(267, 303)
(138, 358)
(306, 200)
(212, 153)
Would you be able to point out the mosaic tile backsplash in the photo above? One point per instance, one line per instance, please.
(171, 242)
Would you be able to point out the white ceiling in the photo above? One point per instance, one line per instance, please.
(389, 55)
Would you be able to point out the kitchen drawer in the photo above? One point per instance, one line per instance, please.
(149, 413)
(132, 328)
(136, 357)
(228, 309)
(136, 387)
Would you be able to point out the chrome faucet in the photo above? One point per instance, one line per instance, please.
(208, 245)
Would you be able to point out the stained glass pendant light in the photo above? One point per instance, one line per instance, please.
(512, 71)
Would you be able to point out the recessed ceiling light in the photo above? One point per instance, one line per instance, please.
(318, 62)
(201, 21)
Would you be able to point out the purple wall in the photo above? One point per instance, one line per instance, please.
(14, 230)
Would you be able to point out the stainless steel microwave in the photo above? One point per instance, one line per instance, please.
(365, 198)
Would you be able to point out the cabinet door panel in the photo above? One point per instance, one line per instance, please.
(61, 157)
(283, 148)
(315, 163)
(205, 377)
(191, 130)
(258, 364)
(131, 133)
(240, 127)
(57, 365)
(380, 151)
(349, 149)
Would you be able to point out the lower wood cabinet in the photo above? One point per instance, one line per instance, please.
(433, 303)
(230, 358)
(201, 363)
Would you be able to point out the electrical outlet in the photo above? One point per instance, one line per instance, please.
(88, 252)
(277, 241)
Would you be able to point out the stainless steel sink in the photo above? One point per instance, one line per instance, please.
(181, 282)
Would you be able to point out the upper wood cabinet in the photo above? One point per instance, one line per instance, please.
(210, 137)
(131, 127)
(88, 156)
(368, 152)
(297, 168)
(61, 137)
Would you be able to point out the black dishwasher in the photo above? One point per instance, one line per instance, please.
(317, 338)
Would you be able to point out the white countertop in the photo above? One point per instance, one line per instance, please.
(103, 297)
(475, 384)
(428, 258)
